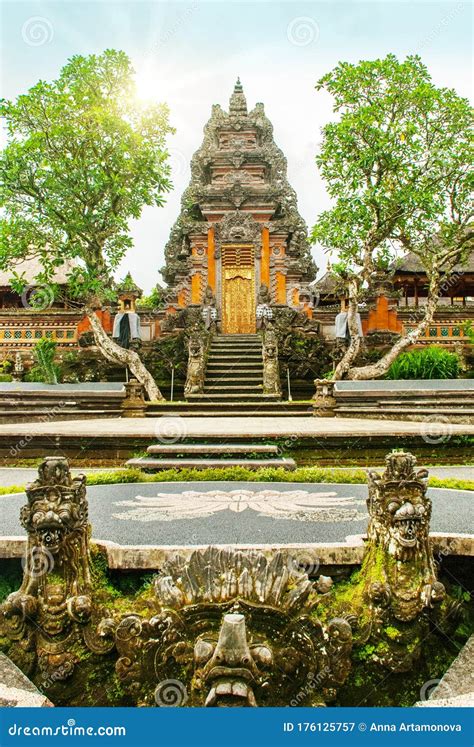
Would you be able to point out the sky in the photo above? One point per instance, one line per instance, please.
(190, 53)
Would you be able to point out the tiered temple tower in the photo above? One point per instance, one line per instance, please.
(239, 226)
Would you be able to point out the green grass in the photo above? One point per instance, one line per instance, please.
(230, 474)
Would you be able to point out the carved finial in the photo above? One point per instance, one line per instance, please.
(238, 103)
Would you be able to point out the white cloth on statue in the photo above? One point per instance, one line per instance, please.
(133, 320)
(341, 325)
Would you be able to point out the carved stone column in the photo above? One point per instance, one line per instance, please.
(55, 613)
(271, 367)
(324, 401)
(134, 405)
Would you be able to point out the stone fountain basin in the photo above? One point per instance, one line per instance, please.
(140, 523)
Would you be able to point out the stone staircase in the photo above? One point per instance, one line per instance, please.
(234, 383)
(204, 456)
(453, 405)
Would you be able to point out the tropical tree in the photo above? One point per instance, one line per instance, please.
(83, 158)
(397, 166)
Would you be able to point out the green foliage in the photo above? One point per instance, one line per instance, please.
(6, 366)
(46, 369)
(5, 377)
(469, 331)
(264, 474)
(230, 474)
(306, 357)
(427, 363)
(168, 353)
(83, 157)
(396, 163)
(10, 578)
(7, 489)
(155, 299)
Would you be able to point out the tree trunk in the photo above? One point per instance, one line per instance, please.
(350, 355)
(375, 370)
(127, 358)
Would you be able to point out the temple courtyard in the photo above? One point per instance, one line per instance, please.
(229, 427)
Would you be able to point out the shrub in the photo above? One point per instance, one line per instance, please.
(428, 363)
(46, 370)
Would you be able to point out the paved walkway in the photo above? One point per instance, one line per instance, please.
(243, 513)
(175, 427)
(24, 475)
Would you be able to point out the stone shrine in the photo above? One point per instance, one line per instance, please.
(239, 227)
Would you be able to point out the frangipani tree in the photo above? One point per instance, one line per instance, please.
(397, 163)
(83, 158)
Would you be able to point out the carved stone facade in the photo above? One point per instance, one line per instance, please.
(54, 614)
(400, 589)
(229, 628)
(223, 627)
(239, 225)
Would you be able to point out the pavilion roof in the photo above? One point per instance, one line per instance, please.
(328, 284)
(411, 263)
(30, 268)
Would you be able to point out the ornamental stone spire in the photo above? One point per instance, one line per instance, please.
(238, 103)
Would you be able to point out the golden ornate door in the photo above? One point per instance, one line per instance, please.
(238, 289)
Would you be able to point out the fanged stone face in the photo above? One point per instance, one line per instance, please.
(52, 519)
(228, 667)
(408, 524)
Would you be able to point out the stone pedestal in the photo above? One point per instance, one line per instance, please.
(134, 405)
(324, 401)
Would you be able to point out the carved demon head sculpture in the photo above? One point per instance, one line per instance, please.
(54, 609)
(399, 508)
(232, 629)
(57, 508)
(405, 582)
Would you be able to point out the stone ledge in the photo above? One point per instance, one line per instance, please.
(456, 687)
(16, 690)
(152, 557)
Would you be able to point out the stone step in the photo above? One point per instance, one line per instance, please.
(155, 465)
(240, 364)
(218, 412)
(228, 378)
(238, 356)
(236, 346)
(170, 408)
(235, 395)
(232, 387)
(468, 411)
(241, 336)
(181, 448)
